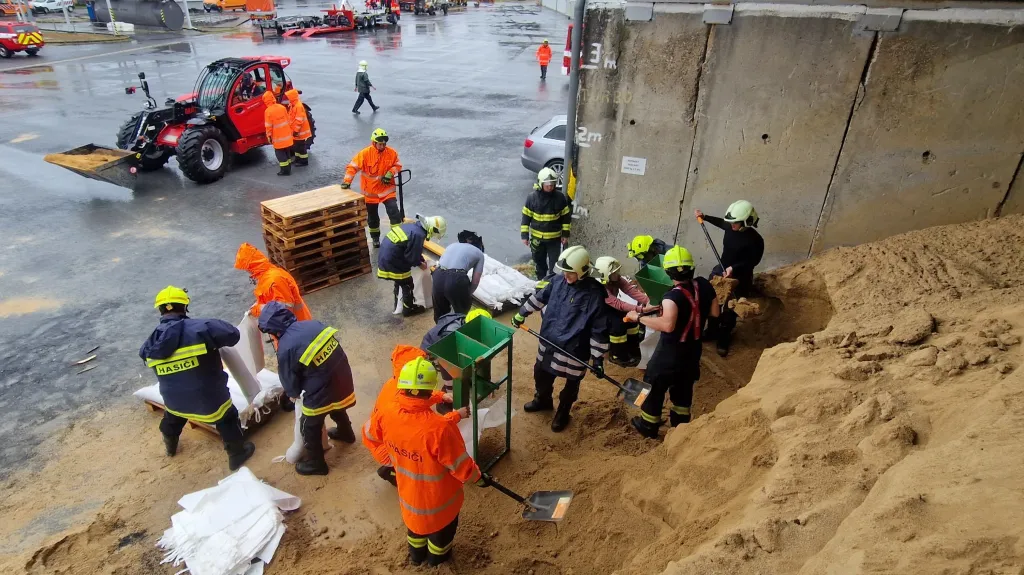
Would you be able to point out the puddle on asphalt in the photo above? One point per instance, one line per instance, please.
(26, 305)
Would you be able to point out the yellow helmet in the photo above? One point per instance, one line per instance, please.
(677, 259)
(170, 295)
(477, 312)
(379, 135)
(640, 246)
(418, 375)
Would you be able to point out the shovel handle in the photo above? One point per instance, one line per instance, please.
(507, 491)
(707, 236)
(574, 358)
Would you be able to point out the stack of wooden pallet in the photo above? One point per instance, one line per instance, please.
(317, 236)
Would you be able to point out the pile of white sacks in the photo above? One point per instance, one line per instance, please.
(499, 285)
(253, 387)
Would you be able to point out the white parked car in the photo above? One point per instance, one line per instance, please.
(46, 6)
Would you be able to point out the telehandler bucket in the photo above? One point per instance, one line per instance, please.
(110, 165)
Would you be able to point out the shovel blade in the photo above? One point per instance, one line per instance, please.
(547, 506)
(634, 392)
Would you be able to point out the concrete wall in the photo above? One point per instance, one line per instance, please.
(808, 111)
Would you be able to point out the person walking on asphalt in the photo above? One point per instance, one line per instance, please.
(387, 400)
(675, 365)
(279, 132)
(378, 166)
(444, 326)
(363, 86)
(312, 363)
(645, 249)
(184, 354)
(546, 222)
(625, 339)
(544, 58)
(742, 250)
(429, 456)
(575, 319)
(453, 288)
(401, 251)
(301, 130)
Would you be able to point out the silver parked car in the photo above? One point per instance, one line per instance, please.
(545, 146)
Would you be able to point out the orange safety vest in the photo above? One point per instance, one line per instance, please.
(544, 55)
(373, 165)
(275, 120)
(272, 283)
(430, 460)
(401, 355)
(297, 116)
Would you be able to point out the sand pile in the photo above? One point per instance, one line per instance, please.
(885, 439)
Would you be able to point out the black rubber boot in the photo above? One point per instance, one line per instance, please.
(387, 473)
(238, 453)
(313, 465)
(343, 432)
(376, 242)
(301, 161)
(645, 428)
(675, 419)
(624, 360)
(411, 308)
(171, 445)
(285, 170)
(539, 404)
(561, 419)
(287, 404)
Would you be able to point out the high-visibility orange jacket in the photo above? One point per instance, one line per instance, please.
(275, 119)
(544, 54)
(297, 116)
(430, 460)
(374, 165)
(272, 283)
(401, 355)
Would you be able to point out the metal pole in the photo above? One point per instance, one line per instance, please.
(576, 47)
(113, 20)
(67, 19)
(188, 17)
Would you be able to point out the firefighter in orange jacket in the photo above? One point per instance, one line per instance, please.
(431, 462)
(386, 399)
(279, 132)
(379, 166)
(272, 283)
(302, 130)
(544, 58)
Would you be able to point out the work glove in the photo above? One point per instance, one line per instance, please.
(346, 185)
(484, 481)
(517, 320)
(388, 176)
(599, 368)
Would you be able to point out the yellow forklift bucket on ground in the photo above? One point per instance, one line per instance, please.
(111, 165)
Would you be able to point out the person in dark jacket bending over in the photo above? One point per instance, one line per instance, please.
(547, 219)
(742, 250)
(574, 319)
(675, 365)
(402, 250)
(184, 354)
(363, 86)
(312, 363)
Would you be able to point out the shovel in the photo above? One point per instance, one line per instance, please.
(714, 250)
(540, 505)
(633, 391)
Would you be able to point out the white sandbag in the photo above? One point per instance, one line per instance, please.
(422, 291)
(250, 344)
(294, 453)
(239, 366)
(487, 417)
(500, 284)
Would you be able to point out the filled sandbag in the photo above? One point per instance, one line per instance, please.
(422, 291)
(236, 364)
(294, 453)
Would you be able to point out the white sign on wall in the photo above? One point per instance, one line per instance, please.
(635, 166)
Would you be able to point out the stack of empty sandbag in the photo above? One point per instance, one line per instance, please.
(254, 389)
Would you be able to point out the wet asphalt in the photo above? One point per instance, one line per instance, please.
(80, 260)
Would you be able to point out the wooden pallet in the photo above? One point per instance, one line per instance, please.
(355, 214)
(335, 244)
(315, 270)
(332, 259)
(251, 426)
(347, 230)
(289, 211)
(157, 408)
(335, 279)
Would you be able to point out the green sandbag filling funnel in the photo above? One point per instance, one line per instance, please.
(655, 282)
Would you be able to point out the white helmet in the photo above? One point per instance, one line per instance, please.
(605, 266)
(574, 259)
(362, 64)
(741, 211)
(436, 226)
(546, 175)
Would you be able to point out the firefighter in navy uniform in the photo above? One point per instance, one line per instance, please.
(402, 250)
(575, 319)
(311, 362)
(546, 222)
(184, 354)
(675, 365)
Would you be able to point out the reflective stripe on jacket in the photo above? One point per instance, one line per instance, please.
(430, 460)
(310, 361)
(372, 166)
(546, 216)
(183, 353)
(297, 116)
(575, 319)
(279, 129)
(401, 249)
